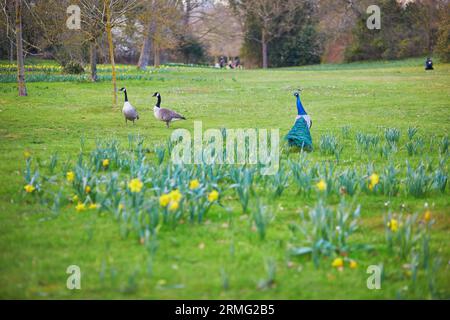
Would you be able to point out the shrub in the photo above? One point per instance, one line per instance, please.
(73, 67)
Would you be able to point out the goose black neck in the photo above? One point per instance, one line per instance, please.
(126, 97)
(158, 103)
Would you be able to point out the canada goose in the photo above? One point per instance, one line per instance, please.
(128, 110)
(163, 114)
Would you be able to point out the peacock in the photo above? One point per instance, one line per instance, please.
(299, 136)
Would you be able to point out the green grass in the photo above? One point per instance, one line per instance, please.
(191, 260)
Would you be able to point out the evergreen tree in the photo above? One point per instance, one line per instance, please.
(299, 45)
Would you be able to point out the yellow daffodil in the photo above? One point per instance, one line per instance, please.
(70, 176)
(194, 184)
(321, 185)
(105, 163)
(353, 264)
(27, 154)
(338, 263)
(121, 207)
(164, 200)
(93, 206)
(173, 206)
(393, 225)
(29, 188)
(175, 195)
(213, 196)
(427, 216)
(135, 185)
(87, 189)
(75, 198)
(374, 179)
(80, 207)
(162, 282)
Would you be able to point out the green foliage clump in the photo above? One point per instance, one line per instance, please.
(299, 45)
(402, 33)
(73, 67)
(192, 50)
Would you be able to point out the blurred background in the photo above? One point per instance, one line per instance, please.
(226, 33)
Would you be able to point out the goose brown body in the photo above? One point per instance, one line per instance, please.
(163, 114)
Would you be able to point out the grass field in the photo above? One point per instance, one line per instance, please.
(224, 257)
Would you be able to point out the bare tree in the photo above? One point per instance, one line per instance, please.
(147, 19)
(430, 19)
(106, 14)
(19, 46)
(161, 20)
(273, 17)
(61, 43)
(115, 15)
(8, 24)
(92, 24)
(190, 12)
(144, 56)
(166, 22)
(108, 27)
(217, 26)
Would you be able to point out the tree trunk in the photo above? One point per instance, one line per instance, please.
(264, 50)
(157, 54)
(111, 50)
(187, 14)
(19, 46)
(144, 56)
(11, 51)
(93, 60)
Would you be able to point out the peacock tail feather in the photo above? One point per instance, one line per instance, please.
(299, 136)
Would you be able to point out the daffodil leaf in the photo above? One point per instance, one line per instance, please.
(301, 251)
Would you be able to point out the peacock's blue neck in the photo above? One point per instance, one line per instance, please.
(301, 111)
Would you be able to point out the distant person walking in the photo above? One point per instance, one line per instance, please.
(222, 62)
(237, 62)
